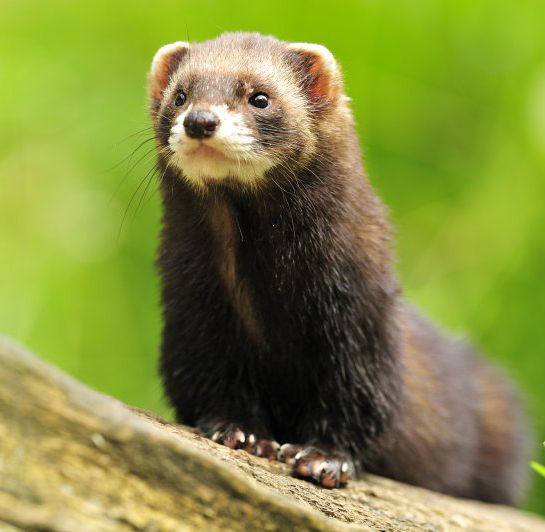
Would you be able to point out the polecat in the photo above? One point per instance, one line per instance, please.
(283, 319)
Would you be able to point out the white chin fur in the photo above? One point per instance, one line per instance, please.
(238, 155)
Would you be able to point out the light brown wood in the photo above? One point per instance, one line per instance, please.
(72, 459)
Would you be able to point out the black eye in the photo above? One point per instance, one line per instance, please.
(260, 100)
(180, 99)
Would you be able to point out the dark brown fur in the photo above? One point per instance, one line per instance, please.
(282, 312)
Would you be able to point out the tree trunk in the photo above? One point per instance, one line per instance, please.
(73, 460)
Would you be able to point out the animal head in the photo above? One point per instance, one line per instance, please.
(233, 109)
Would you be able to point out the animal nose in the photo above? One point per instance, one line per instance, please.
(200, 124)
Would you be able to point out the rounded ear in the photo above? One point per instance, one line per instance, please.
(318, 69)
(164, 63)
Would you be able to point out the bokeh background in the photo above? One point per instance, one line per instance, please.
(449, 97)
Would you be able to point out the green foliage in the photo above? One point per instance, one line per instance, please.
(539, 468)
(450, 100)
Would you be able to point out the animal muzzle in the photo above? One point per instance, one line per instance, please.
(200, 124)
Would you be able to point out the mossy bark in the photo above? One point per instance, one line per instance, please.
(73, 459)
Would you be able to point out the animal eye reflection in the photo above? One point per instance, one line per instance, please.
(260, 100)
(180, 99)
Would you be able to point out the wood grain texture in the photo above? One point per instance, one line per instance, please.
(73, 459)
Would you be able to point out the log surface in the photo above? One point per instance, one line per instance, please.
(73, 459)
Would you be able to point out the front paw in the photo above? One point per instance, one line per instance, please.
(328, 469)
(234, 436)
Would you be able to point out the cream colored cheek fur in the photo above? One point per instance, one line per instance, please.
(243, 159)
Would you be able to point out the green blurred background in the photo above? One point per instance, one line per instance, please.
(449, 96)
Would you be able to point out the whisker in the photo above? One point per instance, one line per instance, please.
(129, 156)
(131, 168)
(153, 169)
(149, 178)
(141, 132)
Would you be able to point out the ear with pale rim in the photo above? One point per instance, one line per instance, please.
(164, 63)
(319, 70)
